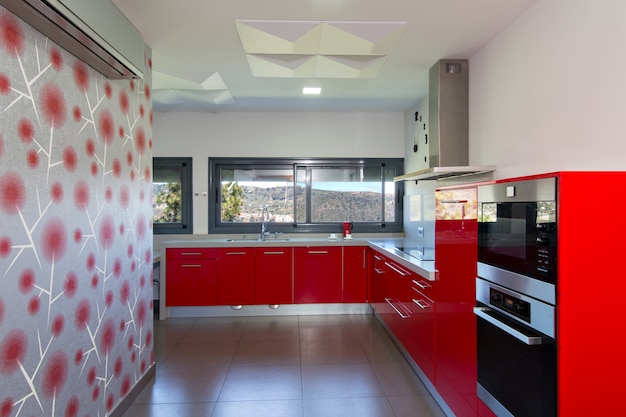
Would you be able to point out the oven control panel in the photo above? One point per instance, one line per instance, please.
(519, 308)
(546, 249)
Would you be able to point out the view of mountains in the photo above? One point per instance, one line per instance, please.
(327, 206)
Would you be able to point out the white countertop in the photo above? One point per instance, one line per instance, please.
(386, 245)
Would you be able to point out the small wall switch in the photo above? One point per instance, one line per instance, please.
(420, 231)
(510, 191)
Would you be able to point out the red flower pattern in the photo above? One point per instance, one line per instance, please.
(11, 35)
(52, 102)
(76, 217)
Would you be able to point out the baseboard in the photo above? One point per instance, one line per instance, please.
(127, 401)
(264, 310)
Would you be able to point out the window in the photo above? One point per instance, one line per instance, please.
(304, 195)
(171, 196)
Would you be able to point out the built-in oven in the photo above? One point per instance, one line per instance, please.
(516, 297)
(516, 352)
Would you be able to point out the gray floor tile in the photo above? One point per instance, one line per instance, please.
(262, 383)
(280, 366)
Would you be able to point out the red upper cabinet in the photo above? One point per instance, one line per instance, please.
(355, 274)
(236, 276)
(192, 275)
(274, 275)
(317, 274)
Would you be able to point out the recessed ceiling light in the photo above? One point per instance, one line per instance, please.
(311, 90)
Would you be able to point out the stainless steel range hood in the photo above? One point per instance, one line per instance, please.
(447, 140)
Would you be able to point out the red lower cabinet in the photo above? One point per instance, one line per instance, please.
(274, 276)
(236, 276)
(421, 345)
(191, 277)
(354, 274)
(317, 275)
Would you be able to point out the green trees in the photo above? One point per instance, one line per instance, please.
(232, 200)
(169, 204)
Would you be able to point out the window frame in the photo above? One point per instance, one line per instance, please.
(215, 198)
(186, 188)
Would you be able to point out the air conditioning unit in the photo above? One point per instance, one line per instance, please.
(95, 31)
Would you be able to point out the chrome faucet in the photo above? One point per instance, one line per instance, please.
(264, 215)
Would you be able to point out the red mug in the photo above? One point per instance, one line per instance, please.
(347, 228)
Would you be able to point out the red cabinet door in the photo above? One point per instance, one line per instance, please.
(421, 345)
(397, 299)
(376, 277)
(191, 277)
(236, 276)
(317, 275)
(355, 274)
(274, 275)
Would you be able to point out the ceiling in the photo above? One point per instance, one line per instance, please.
(257, 55)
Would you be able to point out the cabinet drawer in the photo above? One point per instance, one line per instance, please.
(192, 253)
(422, 286)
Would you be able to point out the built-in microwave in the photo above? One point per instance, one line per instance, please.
(517, 227)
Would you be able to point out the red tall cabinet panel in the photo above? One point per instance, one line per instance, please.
(456, 250)
(591, 360)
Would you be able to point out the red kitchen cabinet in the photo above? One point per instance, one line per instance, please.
(354, 274)
(318, 275)
(421, 344)
(375, 278)
(590, 314)
(456, 248)
(274, 275)
(191, 277)
(393, 296)
(236, 276)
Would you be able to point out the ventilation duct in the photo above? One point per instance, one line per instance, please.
(447, 141)
(94, 31)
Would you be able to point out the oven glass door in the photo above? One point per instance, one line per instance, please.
(519, 237)
(521, 377)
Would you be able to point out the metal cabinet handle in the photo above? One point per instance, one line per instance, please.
(274, 253)
(423, 285)
(318, 252)
(422, 304)
(191, 266)
(482, 312)
(379, 258)
(191, 253)
(379, 271)
(397, 270)
(236, 253)
(404, 316)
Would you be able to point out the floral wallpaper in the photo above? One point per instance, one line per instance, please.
(75, 230)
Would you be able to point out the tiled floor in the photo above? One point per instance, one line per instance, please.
(288, 366)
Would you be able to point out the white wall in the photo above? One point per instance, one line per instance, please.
(549, 93)
(295, 134)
